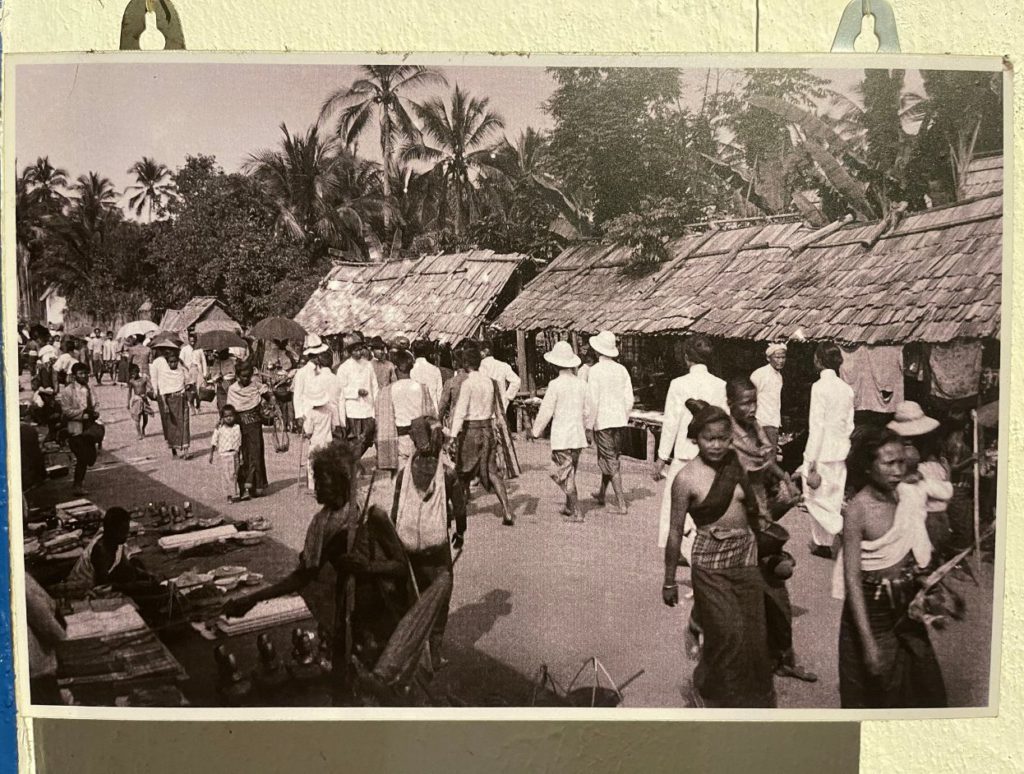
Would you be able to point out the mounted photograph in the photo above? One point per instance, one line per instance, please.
(504, 387)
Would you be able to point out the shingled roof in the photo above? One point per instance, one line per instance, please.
(446, 297)
(935, 277)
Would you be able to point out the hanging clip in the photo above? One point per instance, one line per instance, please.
(133, 24)
(853, 19)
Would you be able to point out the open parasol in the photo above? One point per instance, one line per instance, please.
(81, 332)
(277, 329)
(137, 328)
(205, 326)
(219, 340)
(166, 339)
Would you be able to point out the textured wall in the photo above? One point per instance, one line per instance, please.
(926, 26)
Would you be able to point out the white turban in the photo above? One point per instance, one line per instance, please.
(775, 349)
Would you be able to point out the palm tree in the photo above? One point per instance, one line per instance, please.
(152, 186)
(524, 167)
(30, 234)
(322, 193)
(460, 154)
(80, 231)
(381, 94)
(46, 182)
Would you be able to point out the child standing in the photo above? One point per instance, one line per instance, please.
(227, 440)
(138, 400)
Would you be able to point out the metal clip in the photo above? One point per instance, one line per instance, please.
(853, 19)
(133, 24)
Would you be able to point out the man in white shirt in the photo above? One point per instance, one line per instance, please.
(65, 361)
(609, 400)
(194, 361)
(94, 354)
(675, 448)
(829, 427)
(170, 381)
(564, 406)
(398, 404)
(425, 372)
(312, 348)
(473, 426)
(508, 380)
(358, 382)
(110, 351)
(768, 381)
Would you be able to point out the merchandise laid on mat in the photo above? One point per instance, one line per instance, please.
(391, 382)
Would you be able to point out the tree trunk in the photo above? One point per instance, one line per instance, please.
(385, 142)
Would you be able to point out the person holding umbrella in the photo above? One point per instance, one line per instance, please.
(171, 384)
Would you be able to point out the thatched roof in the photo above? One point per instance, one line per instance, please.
(197, 308)
(446, 297)
(934, 278)
(984, 176)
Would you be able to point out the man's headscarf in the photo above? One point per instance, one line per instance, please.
(775, 348)
(428, 438)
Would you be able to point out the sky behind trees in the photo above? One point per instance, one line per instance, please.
(106, 116)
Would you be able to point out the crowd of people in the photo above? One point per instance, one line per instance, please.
(885, 500)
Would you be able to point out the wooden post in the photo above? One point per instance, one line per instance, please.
(977, 494)
(522, 364)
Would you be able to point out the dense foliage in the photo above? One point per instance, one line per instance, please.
(630, 158)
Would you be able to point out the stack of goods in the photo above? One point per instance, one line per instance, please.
(80, 513)
(190, 540)
(115, 618)
(134, 655)
(109, 642)
(265, 615)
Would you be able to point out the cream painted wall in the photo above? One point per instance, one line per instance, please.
(935, 26)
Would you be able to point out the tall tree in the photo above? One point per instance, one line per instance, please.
(960, 116)
(323, 194)
(152, 186)
(621, 135)
(222, 240)
(79, 233)
(47, 182)
(762, 159)
(456, 147)
(381, 94)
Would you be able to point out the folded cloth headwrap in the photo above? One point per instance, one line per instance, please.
(775, 349)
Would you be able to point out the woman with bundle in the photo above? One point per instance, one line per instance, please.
(728, 591)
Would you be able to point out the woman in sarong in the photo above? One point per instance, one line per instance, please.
(886, 659)
(171, 383)
(734, 669)
(247, 394)
(373, 556)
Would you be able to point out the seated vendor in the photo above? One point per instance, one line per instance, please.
(373, 555)
(105, 561)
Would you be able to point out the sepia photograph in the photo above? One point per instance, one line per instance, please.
(522, 386)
